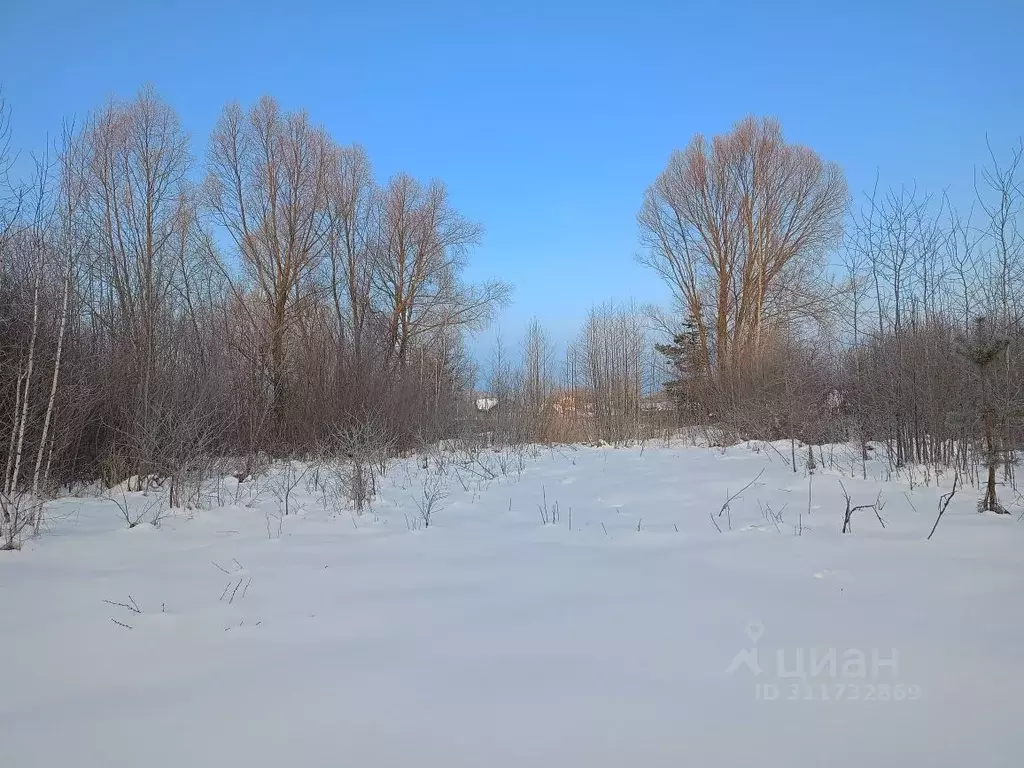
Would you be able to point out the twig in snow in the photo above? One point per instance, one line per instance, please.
(134, 607)
(910, 502)
(219, 568)
(121, 624)
(943, 503)
(730, 499)
(769, 515)
(712, 516)
(876, 508)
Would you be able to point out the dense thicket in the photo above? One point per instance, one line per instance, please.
(157, 310)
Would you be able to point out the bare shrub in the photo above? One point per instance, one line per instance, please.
(362, 449)
(433, 493)
(142, 508)
(283, 483)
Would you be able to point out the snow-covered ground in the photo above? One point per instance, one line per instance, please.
(640, 635)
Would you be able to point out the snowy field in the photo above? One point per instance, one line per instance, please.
(634, 634)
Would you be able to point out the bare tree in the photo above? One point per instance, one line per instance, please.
(267, 184)
(135, 160)
(351, 247)
(423, 245)
(71, 194)
(611, 365)
(10, 198)
(15, 511)
(537, 378)
(738, 228)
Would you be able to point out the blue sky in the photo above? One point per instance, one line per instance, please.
(549, 119)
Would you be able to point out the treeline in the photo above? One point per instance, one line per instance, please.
(273, 298)
(602, 387)
(157, 309)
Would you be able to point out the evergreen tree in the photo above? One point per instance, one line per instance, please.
(682, 354)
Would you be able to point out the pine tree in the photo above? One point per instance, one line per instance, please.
(682, 354)
(983, 350)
